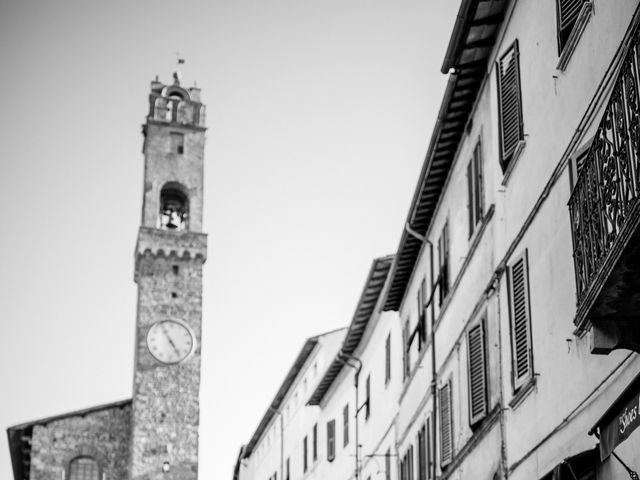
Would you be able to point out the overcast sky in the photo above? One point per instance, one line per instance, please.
(319, 115)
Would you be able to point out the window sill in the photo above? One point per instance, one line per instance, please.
(574, 37)
(523, 393)
(517, 153)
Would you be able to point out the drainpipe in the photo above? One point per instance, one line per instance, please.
(434, 373)
(346, 360)
(279, 413)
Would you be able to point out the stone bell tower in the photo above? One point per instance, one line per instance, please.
(169, 256)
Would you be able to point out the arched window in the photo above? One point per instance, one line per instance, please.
(84, 468)
(174, 208)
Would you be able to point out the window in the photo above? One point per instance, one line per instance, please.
(287, 470)
(406, 350)
(331, 440)
(345, 425)
(477, 370)
(422, 454)
(387, 465)
(519, 309)
(474, 182)
(387, 359)
(428, 448)
(174, 208)
(509, 104)
(177, 143)
(367, 396)
(422, 314)
(443, 263)
(84, 468)
(567, 13)
(305, 464)
(406, 465)
(446, 425)
(315, 442)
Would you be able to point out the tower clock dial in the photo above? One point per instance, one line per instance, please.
(170, 341)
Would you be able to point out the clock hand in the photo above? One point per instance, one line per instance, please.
(164, 329)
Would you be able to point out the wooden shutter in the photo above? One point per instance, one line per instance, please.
(422, 454)
(387, 465)
(345, 425)
(315, 442)
(477, 371)
(367, 409)
(509, 104)
(520, 321)
(304, 454)
(387, 357)
(443, 261)
(446, 425)
(429, 449)
(331, 440)
(567, 14)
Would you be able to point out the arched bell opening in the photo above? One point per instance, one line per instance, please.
(174, 207)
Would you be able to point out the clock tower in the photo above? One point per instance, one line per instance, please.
(169, 256)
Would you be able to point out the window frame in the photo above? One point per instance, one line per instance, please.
(83, 457)
(314, 444)
(475, 188)
(387, 359)
(446, 457)
(443, 264)
(305, 454)
(508, 158)
(480, 327)
(331, 440)
(345, 425)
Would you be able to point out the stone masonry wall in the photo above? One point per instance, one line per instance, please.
(103, 435)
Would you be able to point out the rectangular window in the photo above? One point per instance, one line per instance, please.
(474, 183)
(422, 454)
(367, 408)
(509, 104)
(287, 470)
(315, 442)
(519, 309)
(422, 314)
(428, 448)
(331, 440)
(345, 425)
(177, 143)
(477, 371)
(387, 465)
(567, 13)
(443, 263)
(446, 424)
(387, 359)
(305, 465)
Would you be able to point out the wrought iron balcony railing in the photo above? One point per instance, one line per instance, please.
(606, 196)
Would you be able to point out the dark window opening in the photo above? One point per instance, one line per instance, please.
(474, 183)
(305, 465)
(345, 425)
(443, 264)
(387, 359)
(174, 209)
(331, 440)
(177, 143)
(174, 295)
(568, 12)
(315, 442)
(176, 269)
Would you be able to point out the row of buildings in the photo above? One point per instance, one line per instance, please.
(501, 340)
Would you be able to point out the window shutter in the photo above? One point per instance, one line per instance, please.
(345, 425)
(331, 440)
(422, 454)
(387, 356)
(477, 167)
(477, 373)
(315, 442)
(304, 454)
(567, 11)
(520, 321)
(471, 206)
(428, 447)
(510, 104)
(367, 409)
(446, 425)
(387, 465)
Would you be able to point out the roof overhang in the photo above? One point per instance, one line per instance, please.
(369, 297)
(474, 36)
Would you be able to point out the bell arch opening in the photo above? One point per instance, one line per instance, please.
(174, 207)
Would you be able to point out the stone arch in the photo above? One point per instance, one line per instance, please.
(174, 207)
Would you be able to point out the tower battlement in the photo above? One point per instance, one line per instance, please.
(174, 104)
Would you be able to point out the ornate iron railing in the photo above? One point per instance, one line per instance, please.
(608, 185)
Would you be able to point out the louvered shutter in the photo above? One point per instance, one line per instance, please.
(428, 447)
(477, 373)
(331, 440)
(520, 321)
(446, 425)
(510, 105)
(567, 11)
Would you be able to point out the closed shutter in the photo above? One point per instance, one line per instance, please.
(510, 106)
(387, 465)
(345, 425)
(477, 373)
(387, 361)
(422, 454)
(520, 321)
(429, 448)
(446, 425)
(443, 262)
(304, 455)
(315, 442)
(331, 440)
(567, 12)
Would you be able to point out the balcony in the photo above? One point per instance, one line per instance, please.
(605, 213)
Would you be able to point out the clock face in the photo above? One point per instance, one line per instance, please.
(170, 341)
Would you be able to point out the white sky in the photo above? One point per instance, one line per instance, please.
(319, 116)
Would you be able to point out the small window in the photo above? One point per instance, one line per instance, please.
(443, 263)
(84, 468)
(177, 143)
(315, 442)
(305, 465)
(387, 465)
(367, 408)
(429, 449)
(387, 359)
(519, 309)
(446, 424)
(331, 440)
(567, 13)
(422, 314)
(509, 104)
(422, 454)
(474, 182)
(287, 465)
(406, 350)
(477, 371)
(345, 425)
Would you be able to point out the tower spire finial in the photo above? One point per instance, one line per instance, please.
(177, 75)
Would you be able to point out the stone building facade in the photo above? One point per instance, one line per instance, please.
(155, 434)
